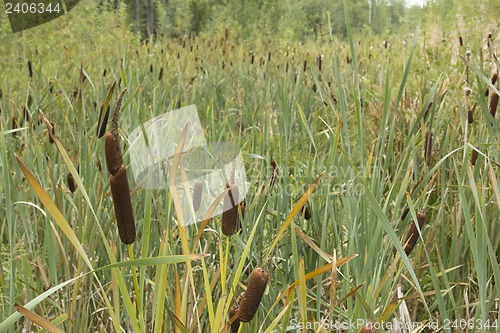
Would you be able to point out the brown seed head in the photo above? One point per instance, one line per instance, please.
(113, 152)
(493, 104)
(123, 205)
(230, 211)
(474, 157)
(412, 237)
(71, 182)
(253, 295)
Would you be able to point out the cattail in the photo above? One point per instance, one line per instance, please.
(114, 158)
(460, 41)
(0, 93)
(412, 237)
(314, 87)
(30, 69)
(494, 79)
(120, 190)
(320, 61)
(252, 57)
(385, 44)
(286, 68)
(52, 130)
(474, 156)
(161, 74)
(71, 182)
(305, 212)
(230, 211)
(123, 205)
(197, 191)
(428, 147)
(253, 295)
(348, 60)
(151, 68)
(493, 104)
(470, 116)
(235, 324)
(104, 73)
(305, 65)
(269, 57)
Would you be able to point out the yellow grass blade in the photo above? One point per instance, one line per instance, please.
(42, 322)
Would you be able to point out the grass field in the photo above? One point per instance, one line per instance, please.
(361, 130)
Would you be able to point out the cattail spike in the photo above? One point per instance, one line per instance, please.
(493, 104)
(412, 237)
(123, 205)
(233, 319)
(253, 295)
(230, 211)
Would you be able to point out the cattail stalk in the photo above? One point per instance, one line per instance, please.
(235, 324)
(253, 295)
(120, 190)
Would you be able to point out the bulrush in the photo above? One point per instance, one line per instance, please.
(30, 69)
(474, 156)
(305, 212)
(230, 211)
(197, 191)
(253, 295)
(493, 104)
(233, 313)
(412, 237)
(494, 79)
(71, 182)
(428, 148)
(120, 190)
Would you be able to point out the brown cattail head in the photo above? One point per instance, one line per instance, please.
(161, 74)
(71, 182)
(253, 295)
(104, 72)
(493, 104)
(428, 148)
(305, 212)
(233, 315)
(230, 211)
(113, 152)
(412, 237)
(470, 116)
(474, 156)
(494, 79)
(460, 41)
(30, 69)
(197, 191)
(123, 205)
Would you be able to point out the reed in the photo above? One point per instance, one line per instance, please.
(253, 295)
